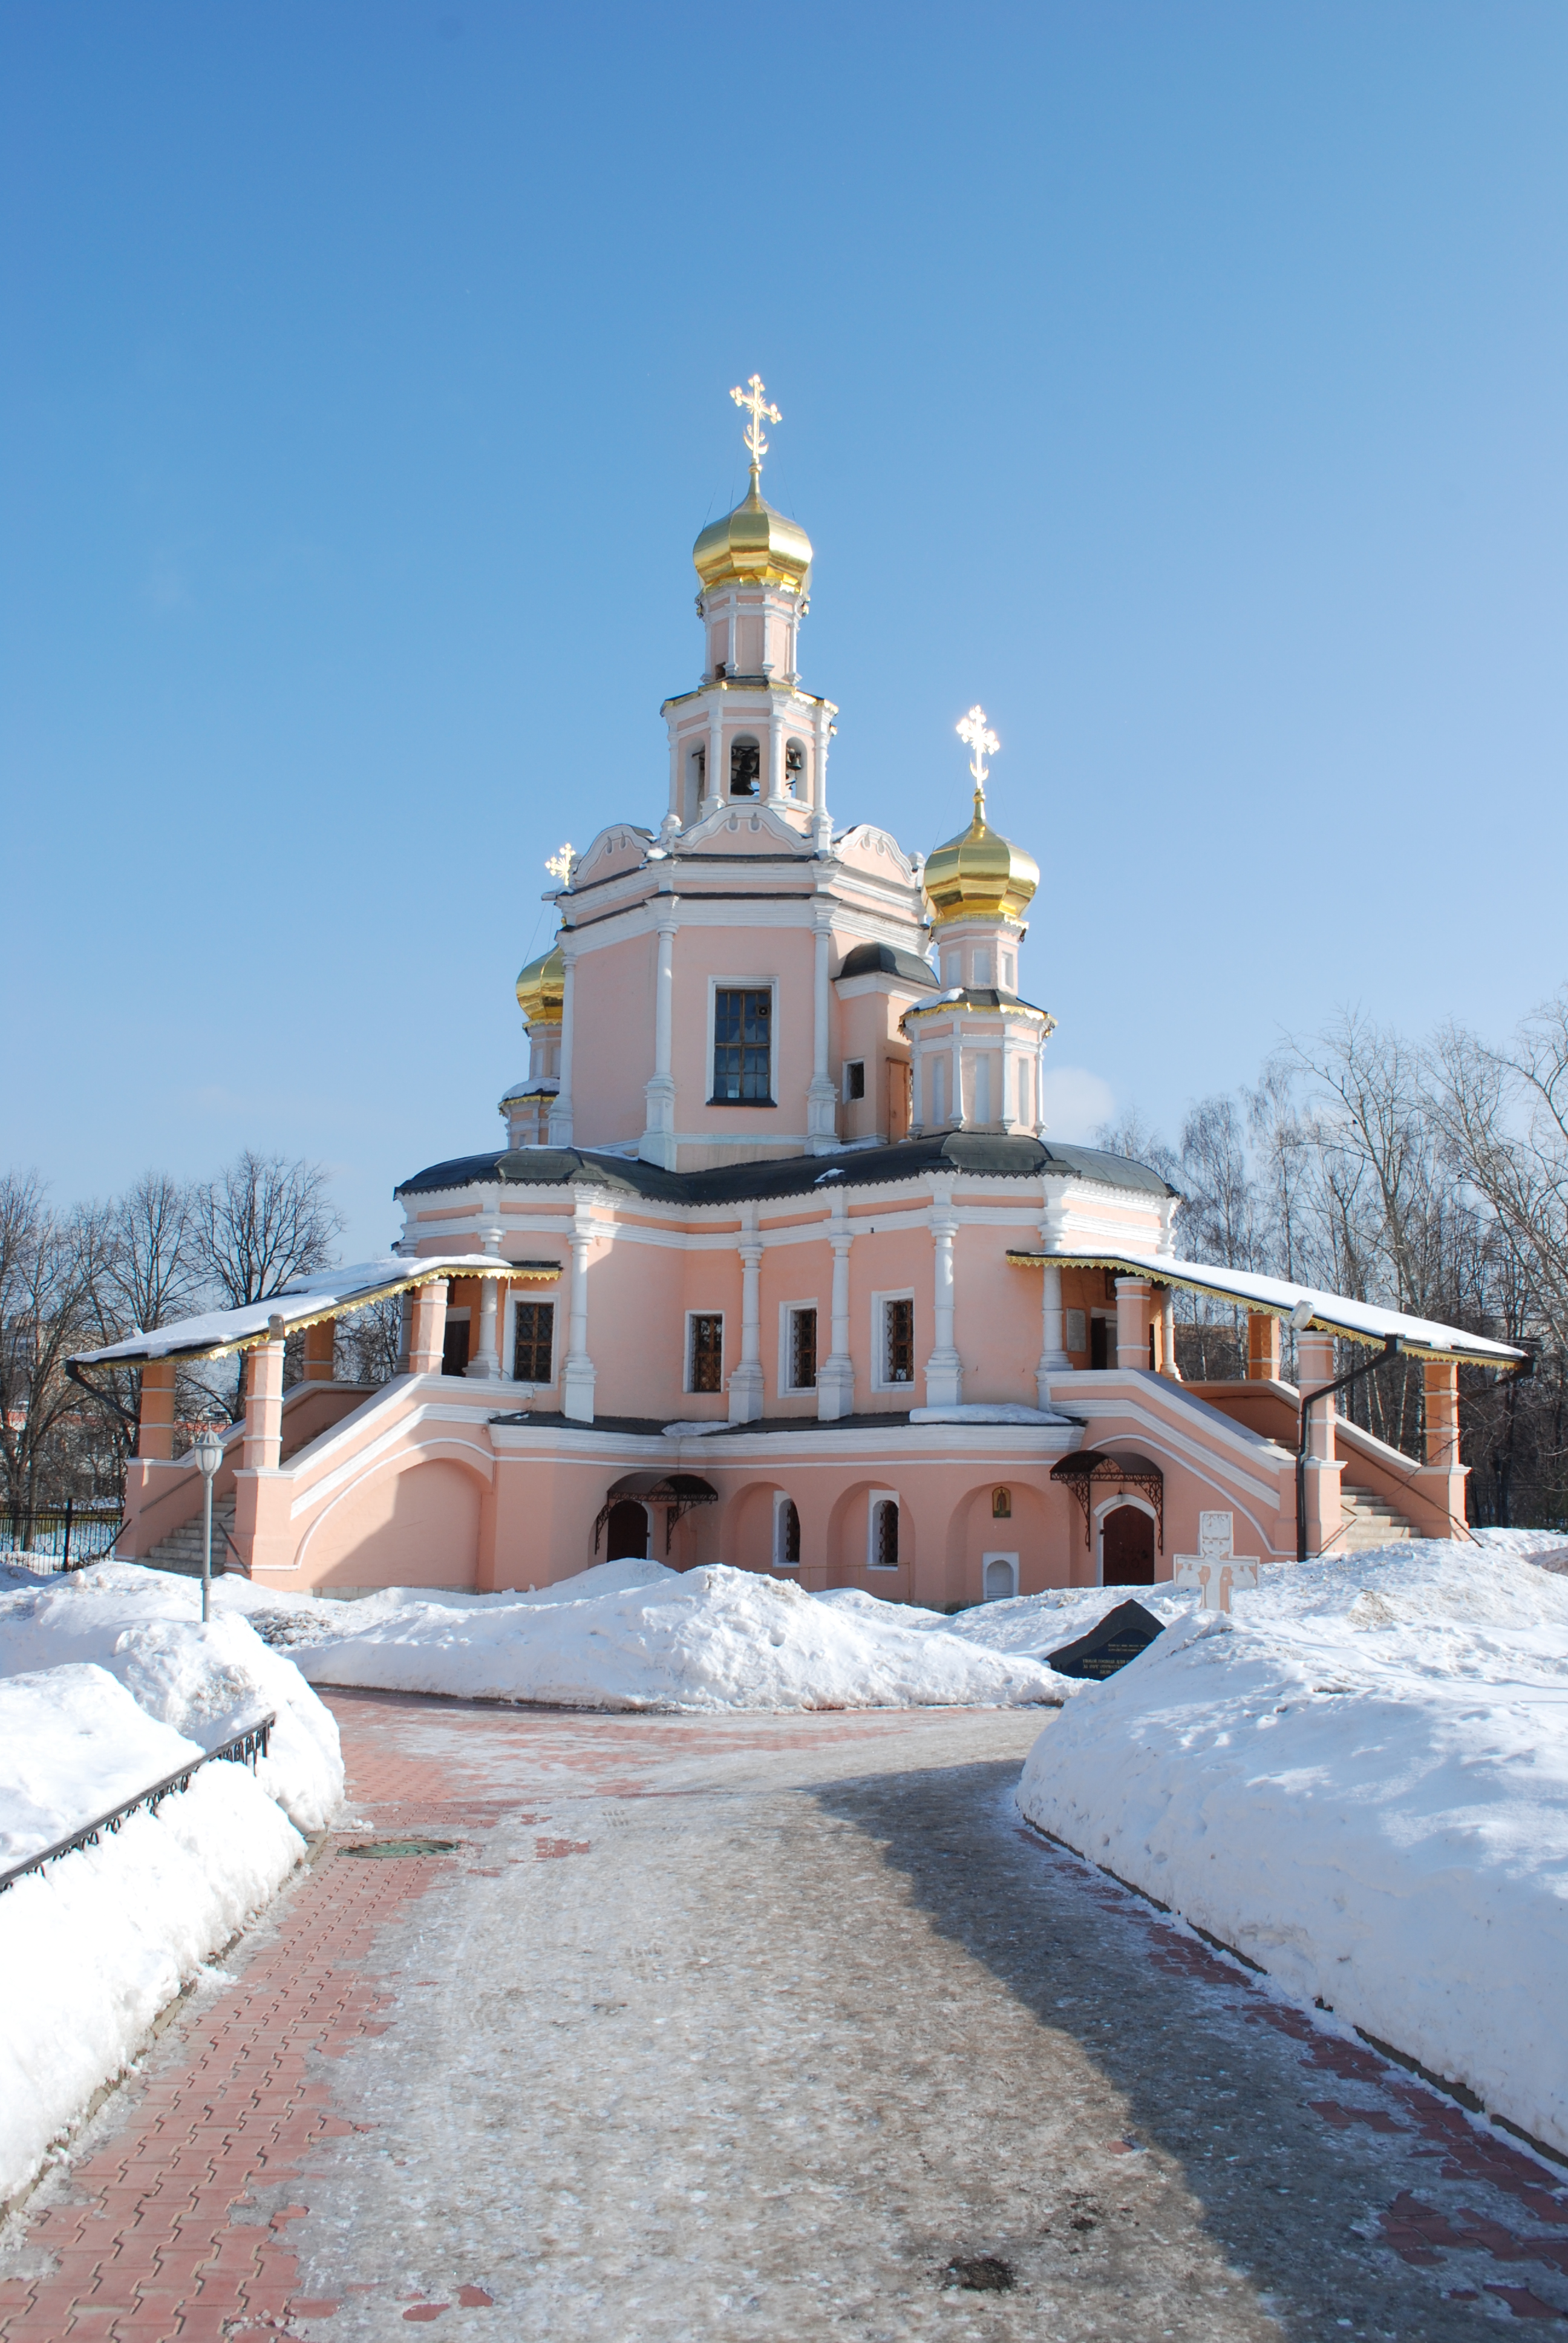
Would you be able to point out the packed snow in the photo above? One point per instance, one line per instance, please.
(1359, 1781)
(97, 1943)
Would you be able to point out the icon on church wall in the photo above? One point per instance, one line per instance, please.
(1001, 1504)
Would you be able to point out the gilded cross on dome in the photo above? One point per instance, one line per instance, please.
(982, 742)
(756, 407)
(561, 866)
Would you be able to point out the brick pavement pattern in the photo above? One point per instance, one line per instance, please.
(780, 2027)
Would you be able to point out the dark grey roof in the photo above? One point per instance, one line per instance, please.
(976, 1152)
(887, 960)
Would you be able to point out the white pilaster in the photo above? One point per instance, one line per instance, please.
(821, 1105)
(836, 1376)
(486, 1365)
(957, 1115)
(1053, 1355)
(578, 1374)
(944, 1368)
(562, 1104)
(713, 779)
(746, 1382)
(822, 822)
(776, 755)
(657, 1144)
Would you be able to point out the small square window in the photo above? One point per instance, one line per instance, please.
(704, 1361)
(854, 1079)
(899, 1341)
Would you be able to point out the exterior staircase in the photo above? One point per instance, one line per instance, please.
(181, 1550)
(1369, 1520)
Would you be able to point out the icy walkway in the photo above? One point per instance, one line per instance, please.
(748, 2026)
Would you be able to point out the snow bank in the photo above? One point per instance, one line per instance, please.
(93, 1946)
(1359, 1781)
(144, 1626)
(698, 1640)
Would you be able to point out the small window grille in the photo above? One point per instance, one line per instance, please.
(706, 1359)
(788, 1553)
(533, 1341)
(885, 1535)
(899, 1340)
(743, 1044)
(802, 1350)
(854, 1079)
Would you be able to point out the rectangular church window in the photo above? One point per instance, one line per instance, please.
(533, 1341)
(455, 1347)
(705, 1362)
(743, 1046)
(899, 1341)
(802, 1350)
(854, 1079)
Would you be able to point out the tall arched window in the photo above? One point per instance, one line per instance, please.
(787, 1535)
(885, 1533)
(745, 768)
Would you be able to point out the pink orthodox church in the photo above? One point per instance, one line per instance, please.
(780, 1265)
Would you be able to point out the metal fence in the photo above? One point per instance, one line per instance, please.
(67, 1536)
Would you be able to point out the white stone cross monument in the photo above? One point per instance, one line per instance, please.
(1214, 1569)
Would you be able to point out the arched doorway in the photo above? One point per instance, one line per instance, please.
(1127, 1547)
(627, 1538)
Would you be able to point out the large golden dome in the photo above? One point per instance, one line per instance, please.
(979, 874)
(754, 544)
(542, 988)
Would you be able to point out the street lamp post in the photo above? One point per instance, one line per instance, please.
(208, 1454)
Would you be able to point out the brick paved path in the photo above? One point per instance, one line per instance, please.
(754, 2027)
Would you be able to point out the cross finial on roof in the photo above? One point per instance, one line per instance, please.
(561, 866)
(755, 404)
(982, 743)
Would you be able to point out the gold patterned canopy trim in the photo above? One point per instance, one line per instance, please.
(1332, 1313)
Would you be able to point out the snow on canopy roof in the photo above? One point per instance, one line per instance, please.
(306, 1301)
(1334, 1314)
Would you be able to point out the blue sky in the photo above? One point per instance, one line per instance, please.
(1185, 382)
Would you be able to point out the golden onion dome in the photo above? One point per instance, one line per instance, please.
(754, 544)
(980, 875)
(542, 988)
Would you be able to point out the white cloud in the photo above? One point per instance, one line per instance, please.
(1075, 1102)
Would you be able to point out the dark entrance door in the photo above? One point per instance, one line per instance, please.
(455, 1347)
(628, 1528)
(1128, 1546)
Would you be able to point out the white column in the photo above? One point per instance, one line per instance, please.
(944, 1368)
(917, 1090)
(658, 1112)
(562, 1104)
(776, 755)
(822, 824)
(836, 1376)
(486, 1365)
(713, 779)
(1168, 1336)
(578, 1374)
(746, 1382)
(1054, 1355)
(957, 1115)
(1132, 1322)
(821, 1106)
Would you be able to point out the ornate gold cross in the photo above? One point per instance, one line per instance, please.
(756, 406)
(561, 866)
(978, 737)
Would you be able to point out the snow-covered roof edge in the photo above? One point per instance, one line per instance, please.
(330, 1293)
(1335, 1314)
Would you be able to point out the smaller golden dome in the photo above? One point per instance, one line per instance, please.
(753, 544)
(980, 875)
(542, 989)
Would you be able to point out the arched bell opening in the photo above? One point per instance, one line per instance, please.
(745, 767)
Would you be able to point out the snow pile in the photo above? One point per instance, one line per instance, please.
(1361, 1782)
(700, 1640)
(144, 1626)
(97, 1943)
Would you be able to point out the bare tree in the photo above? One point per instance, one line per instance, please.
(49, 1261)
(262, 1222)
(370, 1342)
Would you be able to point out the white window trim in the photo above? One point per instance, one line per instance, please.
(509, 1333)
(880, 1381)
(688, 1358)
(787, 1347)
(780, 1499)
(985, 1564)
(882, 1497)
(717, 984)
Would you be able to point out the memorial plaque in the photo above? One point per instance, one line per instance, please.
(1121, 1635)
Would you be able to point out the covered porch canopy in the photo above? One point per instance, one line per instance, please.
(307, 1302)
(1276, 1297)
